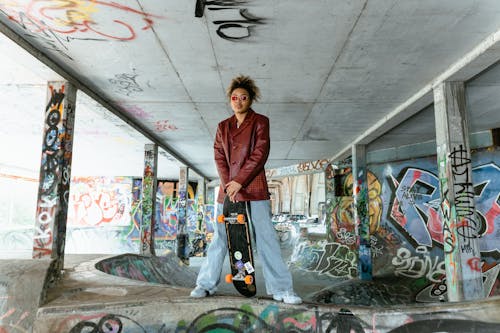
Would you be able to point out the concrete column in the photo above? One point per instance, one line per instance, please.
(360, 210)
(201, 192)
(460, 223)
(182, 233)
(55, 173)
(329, 199)
(210, 198)
(149, 184)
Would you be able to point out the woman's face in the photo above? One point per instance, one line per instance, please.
(240, 100)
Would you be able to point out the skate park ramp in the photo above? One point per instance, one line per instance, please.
(168, 269)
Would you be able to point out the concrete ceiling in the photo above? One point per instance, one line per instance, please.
(332, 72)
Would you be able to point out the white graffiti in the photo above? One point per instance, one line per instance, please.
(418, 266)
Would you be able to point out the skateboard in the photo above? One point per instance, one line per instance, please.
(235, 217)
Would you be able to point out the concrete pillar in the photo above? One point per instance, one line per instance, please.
(460, 223)
(182, 233)
(210, 197)
(201, 192)
(149, 184)
(329, 199)
(360, 210)
(55, 173)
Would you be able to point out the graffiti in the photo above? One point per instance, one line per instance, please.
(235, 29)
(346, 237)
(333, 259)
(313, 165)
(126, 84)
(474, 264)
(50, 174)
(273, 320)
(417, 204)
(243, 319)
(100, 201)
(74, 19)
(164, 125)
(467, 226)
(136, 112)
(418, 266)
(148, 198)
(108, 323)
(39, 32)
(8, 323)
(342, 227)
(182, 234)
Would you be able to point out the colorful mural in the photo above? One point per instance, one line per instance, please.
(100, 201)
(406, 225)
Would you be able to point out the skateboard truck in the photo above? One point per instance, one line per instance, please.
(237, 218)
(244, 271)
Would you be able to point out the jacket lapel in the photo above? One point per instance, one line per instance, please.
(247, 122)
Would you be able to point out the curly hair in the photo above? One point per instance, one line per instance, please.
(244, 82)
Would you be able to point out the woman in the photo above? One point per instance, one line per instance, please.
(241, 149)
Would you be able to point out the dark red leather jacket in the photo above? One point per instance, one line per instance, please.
(240, 155)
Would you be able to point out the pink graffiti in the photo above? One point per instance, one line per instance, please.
(99, 210)
(165, 125)
(136, 112)
(73, 17)
(308, 325)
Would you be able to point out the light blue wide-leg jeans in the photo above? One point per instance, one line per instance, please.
(276, 275)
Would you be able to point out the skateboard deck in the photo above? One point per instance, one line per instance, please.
(235, 217)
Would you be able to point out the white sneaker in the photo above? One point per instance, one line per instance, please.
(199, 292)
(288, 297)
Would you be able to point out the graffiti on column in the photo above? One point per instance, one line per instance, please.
(362, 224)
(68, 123)
(182, 232)
(466, 224)
(148, 197)
(341, 215)
(50, 174)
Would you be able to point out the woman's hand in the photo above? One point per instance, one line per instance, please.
(232, 188)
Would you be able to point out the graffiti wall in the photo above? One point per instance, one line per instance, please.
(104, 216)
(406, 226)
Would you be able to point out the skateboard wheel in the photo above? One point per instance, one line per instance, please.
(229, 278)
(240, 218)
(248, 279)
(220, 218)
